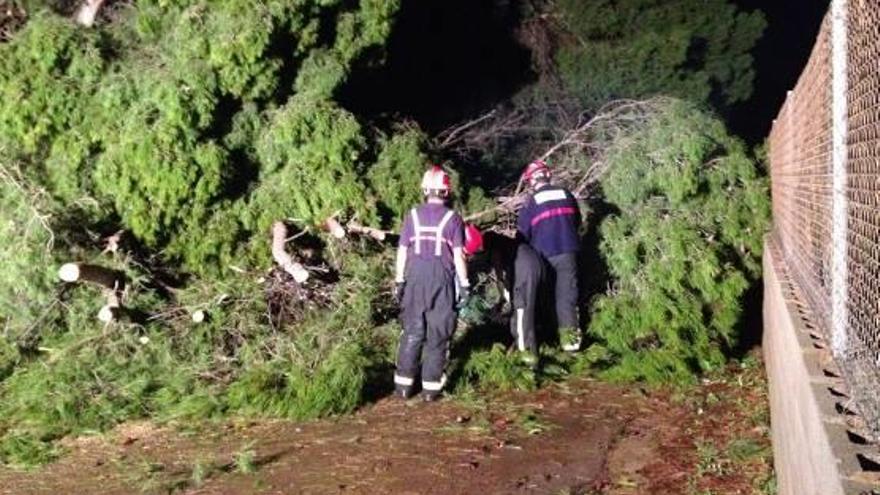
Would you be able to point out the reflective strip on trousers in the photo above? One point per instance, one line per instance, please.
(520, 338)
(402, 380)
(434, 386)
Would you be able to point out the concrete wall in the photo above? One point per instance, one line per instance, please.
(813, 450)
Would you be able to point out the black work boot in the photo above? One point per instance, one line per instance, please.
(430, 396)
(403, 392)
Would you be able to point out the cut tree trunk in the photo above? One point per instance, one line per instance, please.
(83, 272)
(112, 309)
(281, 256)
(87, 13)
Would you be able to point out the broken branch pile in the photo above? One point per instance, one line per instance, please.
(575, 142)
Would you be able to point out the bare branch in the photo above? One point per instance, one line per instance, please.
(578, 151)
(449, 136)
(378, 234)
(12, 177)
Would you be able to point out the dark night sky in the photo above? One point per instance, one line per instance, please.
(779, 59)
(447, 60)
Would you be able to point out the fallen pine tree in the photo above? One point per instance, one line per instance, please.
(174, 132)
(169, 159)
(275, 345)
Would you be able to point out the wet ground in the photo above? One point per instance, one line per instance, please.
(578, 437)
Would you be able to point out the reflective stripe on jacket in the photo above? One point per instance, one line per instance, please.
(429, 233)
(549, 221)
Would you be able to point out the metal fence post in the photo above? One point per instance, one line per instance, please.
(839, 289)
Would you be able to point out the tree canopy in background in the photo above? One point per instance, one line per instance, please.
(699, 50)
(587, 53)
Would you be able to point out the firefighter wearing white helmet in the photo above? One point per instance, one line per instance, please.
(429, 259)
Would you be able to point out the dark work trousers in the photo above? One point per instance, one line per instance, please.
(564, 272)
(528, 275)
(429, 319)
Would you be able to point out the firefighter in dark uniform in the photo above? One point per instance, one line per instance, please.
(429, 259)
(549, 222)
(521, 271)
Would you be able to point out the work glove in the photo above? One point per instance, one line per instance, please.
(398, 291)
(464, 295)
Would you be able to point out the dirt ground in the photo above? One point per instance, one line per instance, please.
(577, 437)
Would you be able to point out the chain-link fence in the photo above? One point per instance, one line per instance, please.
(825, 168)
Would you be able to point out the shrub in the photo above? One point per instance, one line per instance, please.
(310, 155)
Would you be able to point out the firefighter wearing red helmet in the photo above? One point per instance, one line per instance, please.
(549, 222)
(430, 258)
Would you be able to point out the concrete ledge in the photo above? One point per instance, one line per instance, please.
(818, 444)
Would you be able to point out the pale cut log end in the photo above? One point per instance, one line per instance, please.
(199, 316)
(69, 272)
(110, 311)
(297, 271)
(107, 313)
(84, 272)
(336, 229)
(88, 12)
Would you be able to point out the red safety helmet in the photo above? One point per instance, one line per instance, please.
(536, 170)
(436, 180)
(473, 239)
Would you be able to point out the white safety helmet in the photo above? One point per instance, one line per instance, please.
(436, 181)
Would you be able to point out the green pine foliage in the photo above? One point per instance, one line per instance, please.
(8, 358)
(682, 250)
(497, 370)
(49, 69)
(191, 126)
(27, 255)
(613, 49)
(400, 161)
(310, 146)
(87, 377)
(159, 116)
